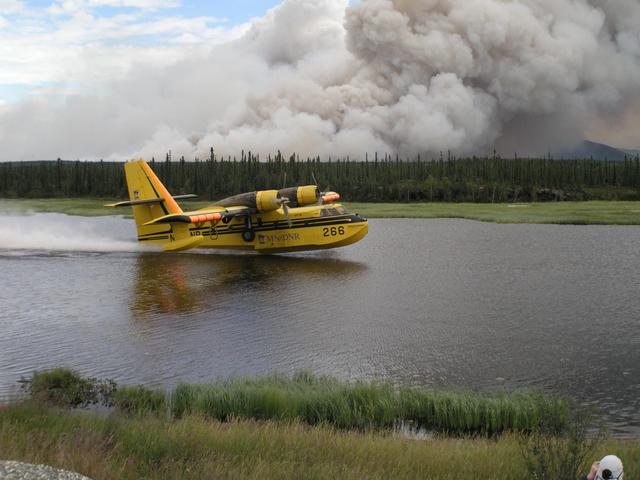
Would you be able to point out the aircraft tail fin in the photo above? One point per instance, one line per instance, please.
(150, 200)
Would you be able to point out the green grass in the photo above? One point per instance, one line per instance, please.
(86, 207)
(570, 213)
(62, 387)
(566, 213)
(316, 400)
(132, 447)
(365, 406)
(260, 428)
(139, 400)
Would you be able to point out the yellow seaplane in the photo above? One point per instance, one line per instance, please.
(269, 221)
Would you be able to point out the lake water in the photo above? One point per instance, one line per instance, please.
(443, 303)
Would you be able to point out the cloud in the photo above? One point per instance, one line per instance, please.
(75, 45)
(8, 7)
(61, 7)
(322, 77)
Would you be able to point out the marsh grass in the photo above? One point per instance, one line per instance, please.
(316, 400)
(67, 388)
(570, 213)
(306, 426)
(559, 213)
(86, 207)
(139, 400)
(563, 455)
(321, 400)
(146, 446)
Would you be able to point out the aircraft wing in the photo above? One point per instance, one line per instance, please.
(209, 214)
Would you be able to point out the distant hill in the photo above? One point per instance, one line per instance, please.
(598, 151)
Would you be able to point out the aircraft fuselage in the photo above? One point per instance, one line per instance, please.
(307, 228)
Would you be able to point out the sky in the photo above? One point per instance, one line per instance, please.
(121, 79)
(42, 40)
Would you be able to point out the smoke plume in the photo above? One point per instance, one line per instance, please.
(322, 77)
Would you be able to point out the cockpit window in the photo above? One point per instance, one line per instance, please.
(328, 212)
(332, 212)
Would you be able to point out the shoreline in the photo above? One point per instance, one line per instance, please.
(554, 213)
(305, 426)
(143, 446)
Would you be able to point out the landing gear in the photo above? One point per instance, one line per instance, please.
(248, 235)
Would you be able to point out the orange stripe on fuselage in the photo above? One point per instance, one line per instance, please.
(172, 206)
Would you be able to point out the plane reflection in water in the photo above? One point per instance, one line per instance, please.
(185, 283)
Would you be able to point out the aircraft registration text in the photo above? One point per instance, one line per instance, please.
(284, 237)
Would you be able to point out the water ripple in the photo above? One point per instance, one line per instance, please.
(432, 303)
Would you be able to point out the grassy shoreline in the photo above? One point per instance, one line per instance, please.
(562, 213)
(143, 446)
(316, 400)
(255, 428)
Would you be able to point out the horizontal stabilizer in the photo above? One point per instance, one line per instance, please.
(185, 197)
(135, 202)
(148, 202)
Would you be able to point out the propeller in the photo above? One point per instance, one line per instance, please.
(285, 207)
(320, 193)
(326, 196)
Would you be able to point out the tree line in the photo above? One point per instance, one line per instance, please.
(376, 179)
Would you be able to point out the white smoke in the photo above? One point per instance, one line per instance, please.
(320, 77)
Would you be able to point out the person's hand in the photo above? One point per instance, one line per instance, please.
(594, 471)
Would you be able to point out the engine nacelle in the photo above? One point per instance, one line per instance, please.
(263, 200)
(268, 200)
(301, 196)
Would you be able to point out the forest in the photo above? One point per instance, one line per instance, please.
(376, 179)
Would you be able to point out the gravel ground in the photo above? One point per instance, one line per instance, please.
(28, 471)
